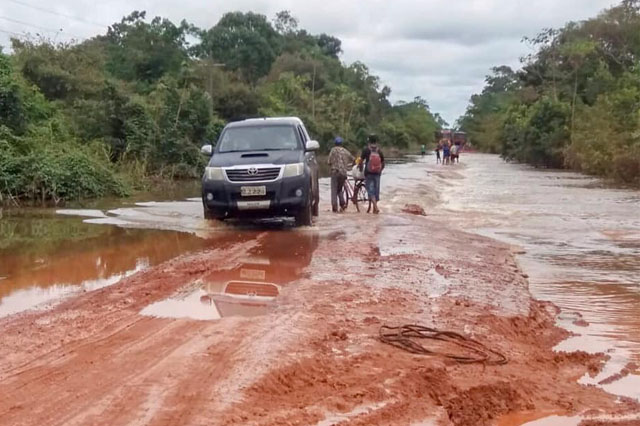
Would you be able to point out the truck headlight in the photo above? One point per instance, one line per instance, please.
(213, 173)
(292, 170)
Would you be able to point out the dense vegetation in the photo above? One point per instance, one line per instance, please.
(100, 117)
(575, 103)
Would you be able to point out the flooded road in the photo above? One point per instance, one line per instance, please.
(275, 316)
(581, 243)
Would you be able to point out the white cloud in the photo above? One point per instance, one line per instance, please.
(437, 49)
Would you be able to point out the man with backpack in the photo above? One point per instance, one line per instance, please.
(373, 161)
(339, 161)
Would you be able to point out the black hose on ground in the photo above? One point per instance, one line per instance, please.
(404, 337)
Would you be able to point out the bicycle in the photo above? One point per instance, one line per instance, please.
(355, 192)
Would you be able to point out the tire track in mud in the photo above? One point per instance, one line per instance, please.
(111, 333)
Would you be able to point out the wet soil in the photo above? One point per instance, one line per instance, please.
(279, 326)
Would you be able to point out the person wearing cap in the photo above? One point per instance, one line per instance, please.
(373, 160)
(339, 161)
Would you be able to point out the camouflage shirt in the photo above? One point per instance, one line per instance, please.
(340, 160)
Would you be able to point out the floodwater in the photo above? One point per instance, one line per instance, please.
(46, 256)
(580, 242)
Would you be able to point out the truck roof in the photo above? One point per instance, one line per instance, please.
(266, 121)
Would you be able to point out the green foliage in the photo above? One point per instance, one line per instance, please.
(245, 42)
(144, 52)
(141, 100)
(56, 173)
(575, 103)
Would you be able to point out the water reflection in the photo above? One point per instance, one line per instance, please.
(246, 287)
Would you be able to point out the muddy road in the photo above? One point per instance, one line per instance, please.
(177, 321)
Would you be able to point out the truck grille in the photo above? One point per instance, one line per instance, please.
(253, 174)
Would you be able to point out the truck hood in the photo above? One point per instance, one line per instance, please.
(227, 159)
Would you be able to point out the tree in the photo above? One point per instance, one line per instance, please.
(245, 42)
(330, 46)
(285, 24)
(141, 51)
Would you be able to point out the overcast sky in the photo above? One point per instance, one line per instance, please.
(438, 49)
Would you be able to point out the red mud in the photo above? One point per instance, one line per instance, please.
(314, 357)
(414, 209)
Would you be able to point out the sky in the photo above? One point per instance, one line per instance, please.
(440, 50)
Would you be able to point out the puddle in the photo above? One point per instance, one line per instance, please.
(249, 287)
(550, 419)
(187, 307)
(336, 418)
(42, 298)
(576, 420)
(46, 255)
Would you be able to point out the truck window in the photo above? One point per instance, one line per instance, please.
(260, 138)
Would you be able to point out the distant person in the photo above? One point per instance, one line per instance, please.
(438, 148)
(423, 149)
(373, 163)
(454, 153)
(446, 152)
(339, 161)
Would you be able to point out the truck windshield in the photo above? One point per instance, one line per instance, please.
(259, 138)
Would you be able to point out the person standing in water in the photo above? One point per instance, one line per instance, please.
(438, 148)
(446, 153)
(454, 153)
(339, 161)
(373, 163)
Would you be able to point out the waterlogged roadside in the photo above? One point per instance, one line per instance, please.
(580, 247)
(47, 254)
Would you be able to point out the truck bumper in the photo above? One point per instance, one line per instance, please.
(284, 197)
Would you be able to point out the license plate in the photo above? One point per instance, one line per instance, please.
(253, 191)
(252, 274)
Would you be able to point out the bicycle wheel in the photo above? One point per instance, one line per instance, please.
(346, 194)
(361, 193)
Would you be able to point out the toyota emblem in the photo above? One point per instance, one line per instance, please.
(252, 171)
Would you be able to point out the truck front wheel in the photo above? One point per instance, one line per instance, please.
(305, 215)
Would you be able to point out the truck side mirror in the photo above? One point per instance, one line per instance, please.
(207, 150)
(312, 146)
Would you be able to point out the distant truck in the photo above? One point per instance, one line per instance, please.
(444, 134)
(460, 138)
(456, 138)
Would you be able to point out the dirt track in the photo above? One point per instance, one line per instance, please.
(310, 357)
